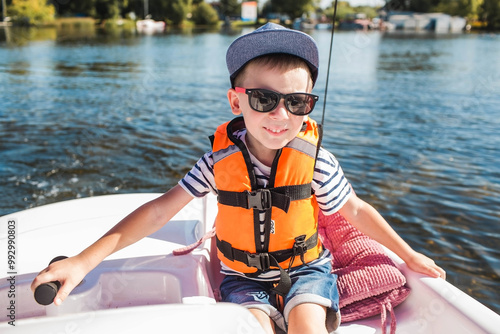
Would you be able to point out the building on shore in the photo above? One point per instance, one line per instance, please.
(437, 22)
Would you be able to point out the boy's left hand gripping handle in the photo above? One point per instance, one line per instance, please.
(46, 292)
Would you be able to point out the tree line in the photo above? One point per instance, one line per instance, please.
(34, 12)
(176, 11)
(486, 11)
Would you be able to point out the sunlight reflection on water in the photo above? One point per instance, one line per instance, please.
(413, 121)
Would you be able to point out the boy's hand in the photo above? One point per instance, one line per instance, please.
(69, 272)
(424, 265)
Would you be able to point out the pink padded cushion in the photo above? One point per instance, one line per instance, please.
(368, 280)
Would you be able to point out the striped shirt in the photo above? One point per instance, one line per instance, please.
(331, 188)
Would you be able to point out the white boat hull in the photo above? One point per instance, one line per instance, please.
(149, 26)
(145, 287)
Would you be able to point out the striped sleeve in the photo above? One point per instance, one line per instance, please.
(330, 185)
(200, 181)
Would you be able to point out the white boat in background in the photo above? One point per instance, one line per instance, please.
(149, 26)
(144, 288)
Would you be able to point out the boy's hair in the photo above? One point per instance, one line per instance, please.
(279, 61)
(269, 39)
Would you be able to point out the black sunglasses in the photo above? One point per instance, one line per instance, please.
(264, 100)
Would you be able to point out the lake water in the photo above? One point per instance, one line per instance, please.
(413, 119)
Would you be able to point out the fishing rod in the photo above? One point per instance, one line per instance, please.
(329, 61)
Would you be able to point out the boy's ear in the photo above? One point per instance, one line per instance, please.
(234, 101)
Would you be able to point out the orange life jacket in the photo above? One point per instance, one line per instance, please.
(291, 211)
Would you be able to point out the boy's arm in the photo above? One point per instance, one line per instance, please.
(367, 220)
(144, 221)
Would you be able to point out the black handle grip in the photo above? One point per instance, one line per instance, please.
(46, 292)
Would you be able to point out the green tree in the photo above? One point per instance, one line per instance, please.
(423, 6)
(99, 9)
(230, 8)
(491, 14)
(204, 14)
(177, 10)
(369, 11)
(108, 9)
(344, 9)
(293, 8)
(68, 8)
(31, 12)
(464, 8)
(174, 11)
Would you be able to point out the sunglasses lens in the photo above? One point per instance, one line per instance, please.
(300, 104)
(263, 101)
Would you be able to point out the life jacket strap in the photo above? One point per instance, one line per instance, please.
(263, 199)
(264, 261)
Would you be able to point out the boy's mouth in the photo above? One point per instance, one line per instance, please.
(276, 130)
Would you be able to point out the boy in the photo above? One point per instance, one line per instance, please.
(271, 177)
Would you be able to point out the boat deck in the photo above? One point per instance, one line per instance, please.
(145, 287)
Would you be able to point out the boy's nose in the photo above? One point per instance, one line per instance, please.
(280, 111)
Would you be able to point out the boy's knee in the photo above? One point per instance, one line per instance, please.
(264, 320)
(307, 318)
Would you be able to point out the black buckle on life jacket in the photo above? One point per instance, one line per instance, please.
(300, 247)
(260, 261)
(259, 199)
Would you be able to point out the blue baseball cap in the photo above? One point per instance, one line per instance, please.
(268, 39)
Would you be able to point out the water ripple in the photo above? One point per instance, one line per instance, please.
(414, 123)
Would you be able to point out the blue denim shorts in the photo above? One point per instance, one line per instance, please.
(310, 284)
